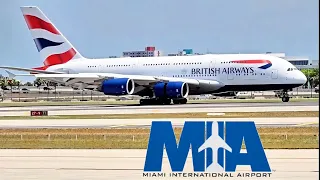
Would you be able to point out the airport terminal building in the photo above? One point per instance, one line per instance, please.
(149, 51)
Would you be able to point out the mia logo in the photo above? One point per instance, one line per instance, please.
(215, 147)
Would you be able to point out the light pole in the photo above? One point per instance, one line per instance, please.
(310, 81)
(18, 83)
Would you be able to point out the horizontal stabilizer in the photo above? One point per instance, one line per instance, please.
(12, 75)
(30, 70)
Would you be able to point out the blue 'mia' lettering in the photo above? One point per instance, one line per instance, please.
(236, 132)
(162, 135)
(193, 134)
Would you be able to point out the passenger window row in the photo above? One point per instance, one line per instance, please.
(157, 64)
(198, 75)
(228, 62)
(193, 75)
(119, 65)
(166, 64)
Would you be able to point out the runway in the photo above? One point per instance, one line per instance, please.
(145, 123)
(128, 164)
(133, 109)
(180, 106)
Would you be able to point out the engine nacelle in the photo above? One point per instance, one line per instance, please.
(171, 90)
(117, 87)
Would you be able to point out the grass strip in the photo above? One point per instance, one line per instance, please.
(279, 138)
(274, 114)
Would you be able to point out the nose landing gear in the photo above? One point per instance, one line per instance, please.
(285, 99)
(284, 96)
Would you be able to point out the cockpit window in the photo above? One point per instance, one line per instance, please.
(291, 69)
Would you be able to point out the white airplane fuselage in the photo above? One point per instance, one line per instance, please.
(224, 68)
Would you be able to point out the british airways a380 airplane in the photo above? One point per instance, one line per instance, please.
(162, 79)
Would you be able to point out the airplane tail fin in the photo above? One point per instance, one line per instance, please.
(54, 48)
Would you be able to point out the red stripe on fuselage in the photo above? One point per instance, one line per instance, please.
(256, 61)
(60, 58)
(34, 22)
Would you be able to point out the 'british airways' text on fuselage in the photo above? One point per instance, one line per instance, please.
(231, 70)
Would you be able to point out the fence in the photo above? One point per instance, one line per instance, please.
(87, 95)
(55, 95)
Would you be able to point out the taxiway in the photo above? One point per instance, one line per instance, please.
(133, 109)
(128, 164)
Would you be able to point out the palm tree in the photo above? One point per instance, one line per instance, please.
(38, 82)
(3, 83)
(312, 76)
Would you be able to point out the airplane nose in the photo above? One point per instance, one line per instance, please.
(301, 78)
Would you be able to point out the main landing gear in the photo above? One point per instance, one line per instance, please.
(180, 101)
(162, 101)
(284, 96)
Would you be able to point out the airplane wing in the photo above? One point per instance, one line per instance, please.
(140, 79)
(94, 80)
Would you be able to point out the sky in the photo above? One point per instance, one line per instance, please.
(105, 28)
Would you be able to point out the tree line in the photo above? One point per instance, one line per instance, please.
(312, 76)
(5, 82)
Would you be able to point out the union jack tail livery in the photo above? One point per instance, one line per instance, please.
(54, 48)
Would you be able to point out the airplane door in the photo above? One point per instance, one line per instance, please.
(212, 65)
(100, 70)
(230, 75)
(134, 66)
(274, 74)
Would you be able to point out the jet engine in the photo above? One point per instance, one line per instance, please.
(171, 90)
(117, 87)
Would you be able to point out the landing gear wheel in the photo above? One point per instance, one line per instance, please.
(167, 101)
(162, 101)
(155, 101)
(180, 101)
(183, 101)
(284, 96)
(175, 101)
(285, 99)
(143, 101)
